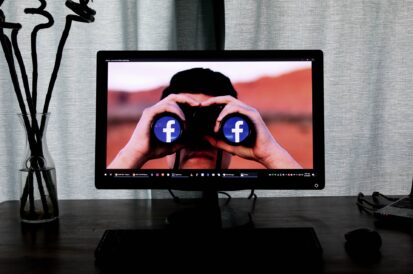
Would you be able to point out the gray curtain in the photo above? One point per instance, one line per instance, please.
(368, 81)
(368, 72)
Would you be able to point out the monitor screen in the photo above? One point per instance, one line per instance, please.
(210, 119)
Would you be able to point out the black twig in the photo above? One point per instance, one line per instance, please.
(22, 70)
(31, 196)
(8, 53)
(84, 15)
(51, 189)
(35, 146)
(40, 11)
(41, 192)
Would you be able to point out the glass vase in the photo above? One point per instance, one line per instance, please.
(38, 200)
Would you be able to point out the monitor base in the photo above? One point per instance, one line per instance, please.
(209, 215)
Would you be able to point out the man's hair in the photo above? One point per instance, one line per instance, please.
(200, 80)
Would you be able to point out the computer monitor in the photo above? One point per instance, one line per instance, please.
(210, 120)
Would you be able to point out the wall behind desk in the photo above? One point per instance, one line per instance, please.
(368, 72)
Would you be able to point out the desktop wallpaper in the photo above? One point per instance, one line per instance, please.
(280, 91)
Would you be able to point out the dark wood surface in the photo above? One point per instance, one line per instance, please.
(68, 245)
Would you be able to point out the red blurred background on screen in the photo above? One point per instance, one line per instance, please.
(284, 102)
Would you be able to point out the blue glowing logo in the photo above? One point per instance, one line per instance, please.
(236, 129)
(167, 129)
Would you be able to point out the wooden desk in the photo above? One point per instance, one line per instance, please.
(68, 246)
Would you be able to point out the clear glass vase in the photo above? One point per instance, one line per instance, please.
(38, 201)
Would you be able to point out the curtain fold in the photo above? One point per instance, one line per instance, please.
(368, 67)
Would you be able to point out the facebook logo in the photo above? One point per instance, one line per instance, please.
(236, 130)
(167, 129)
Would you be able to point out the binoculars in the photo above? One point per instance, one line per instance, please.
(236, 129)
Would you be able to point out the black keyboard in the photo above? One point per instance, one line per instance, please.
(296, 248)
(404, 203)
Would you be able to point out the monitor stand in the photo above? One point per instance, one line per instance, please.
(209, 215)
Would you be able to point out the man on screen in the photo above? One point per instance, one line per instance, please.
(201, 88)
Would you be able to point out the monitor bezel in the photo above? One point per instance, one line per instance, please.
(217, 183)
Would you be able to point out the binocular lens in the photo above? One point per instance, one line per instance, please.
(167, 129)
(236, 129)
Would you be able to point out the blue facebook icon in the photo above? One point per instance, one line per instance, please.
(236, 129)
(167, 129)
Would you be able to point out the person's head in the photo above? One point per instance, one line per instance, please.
(201, 84)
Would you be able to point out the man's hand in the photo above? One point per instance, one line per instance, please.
(266, 150)
(138, 151)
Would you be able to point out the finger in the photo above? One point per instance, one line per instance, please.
(241, 108)
(217, 125)
(169, 107)
(226, 110)
(218, 100)
(183, 99)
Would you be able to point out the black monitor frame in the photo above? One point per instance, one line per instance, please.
(316, 181)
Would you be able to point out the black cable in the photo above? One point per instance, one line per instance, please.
(226, 194)
(377, 194)
(361, 200)
(254, 201)
(181, 201)
(176, 198)
(252, 194)
(365, 208)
